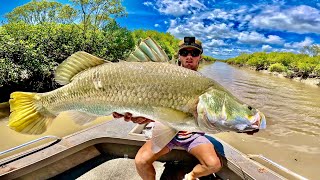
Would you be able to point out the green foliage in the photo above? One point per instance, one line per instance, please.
(43, 11)
(168, 42)
(95, 14)
(240, 60)
(317, 70)
(9, 72)
(258, 59)
(279, 62)
(117, 42)
(284, 58)
(277, 67)
(208, 58)
(305, 68)
(313, 50)
(41, 34)
(30, 53)
(306, 64)
(67, 14)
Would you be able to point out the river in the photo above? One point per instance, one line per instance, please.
(292, 137)
(292, 109)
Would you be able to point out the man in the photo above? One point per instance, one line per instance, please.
(197, 144)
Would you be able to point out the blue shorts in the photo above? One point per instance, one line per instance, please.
(188, 143)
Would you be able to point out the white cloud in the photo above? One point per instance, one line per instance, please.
(266, 47)
(257, 38)
(198, 28)
(229, 32)
(273, 39)
(156, 25)
(179, 7)
(216, 13)
(299, 45)
(216, 42)
(299, 19)
(147, 3)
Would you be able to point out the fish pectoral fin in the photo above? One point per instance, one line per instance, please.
(161, 136)
(163, 133)
(81, 118)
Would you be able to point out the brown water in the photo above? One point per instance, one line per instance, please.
(292, 137)
(292, 109)
(60, 127)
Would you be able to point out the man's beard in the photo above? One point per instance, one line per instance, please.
(190, 66)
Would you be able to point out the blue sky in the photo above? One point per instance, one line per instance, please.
(226, 27)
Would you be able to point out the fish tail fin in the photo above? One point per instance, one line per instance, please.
(25, 116)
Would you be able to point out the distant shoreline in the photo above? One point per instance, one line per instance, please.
(315, 81)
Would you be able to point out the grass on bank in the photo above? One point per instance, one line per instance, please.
(295, 64)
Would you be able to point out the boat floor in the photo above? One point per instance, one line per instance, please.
(105, 167)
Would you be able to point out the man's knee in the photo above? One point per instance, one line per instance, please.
(213, 164)
(142, 159)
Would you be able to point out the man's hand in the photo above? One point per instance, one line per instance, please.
(128, 117)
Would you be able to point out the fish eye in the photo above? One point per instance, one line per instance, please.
(250, 108)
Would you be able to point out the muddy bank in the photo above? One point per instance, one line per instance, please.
(315, 81)
(295, 76)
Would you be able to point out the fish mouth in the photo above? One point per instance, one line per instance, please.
(259, 121)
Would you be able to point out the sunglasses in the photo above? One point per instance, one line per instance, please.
(194, 52)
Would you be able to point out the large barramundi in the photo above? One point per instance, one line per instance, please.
(179, 98)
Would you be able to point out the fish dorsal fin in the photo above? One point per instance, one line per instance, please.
(148, 50)
(74, 64)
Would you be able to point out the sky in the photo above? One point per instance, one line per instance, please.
(227, 28)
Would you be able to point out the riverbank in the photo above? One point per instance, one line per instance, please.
(314, 81)
(310, 81)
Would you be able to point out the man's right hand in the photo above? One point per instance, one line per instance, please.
(128, 117)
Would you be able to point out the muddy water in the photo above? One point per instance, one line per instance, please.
(61, 126)
(292, 109)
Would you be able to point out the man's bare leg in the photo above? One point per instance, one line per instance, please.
(209, 161)
(144, 159)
